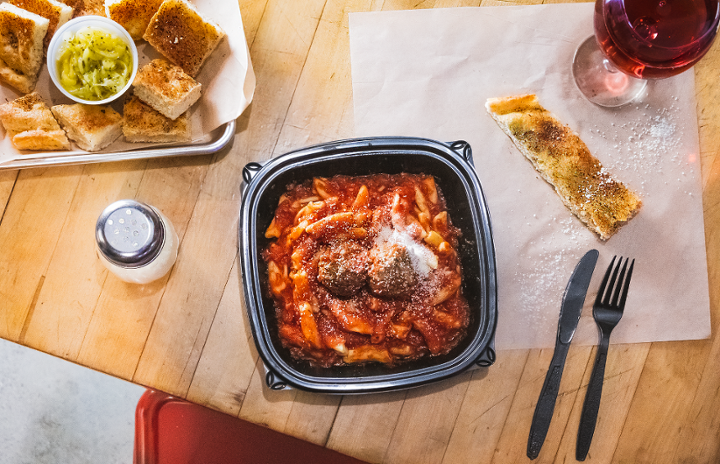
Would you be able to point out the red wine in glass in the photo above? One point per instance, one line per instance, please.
(642, 39)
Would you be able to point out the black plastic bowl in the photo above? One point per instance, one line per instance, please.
(451, 165)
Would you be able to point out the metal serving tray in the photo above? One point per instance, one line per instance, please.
(36, 160)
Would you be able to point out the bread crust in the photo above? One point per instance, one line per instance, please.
(143, 124)
(31, 125)
(133, 15)
(183, 35)
(40, 140)
(21, 46)
(91, 127)
(55, 12)
(564, 161)
(166, 87)
(87, 7)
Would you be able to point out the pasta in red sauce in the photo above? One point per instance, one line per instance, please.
(365, 269)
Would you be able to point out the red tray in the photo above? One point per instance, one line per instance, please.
(169, 430)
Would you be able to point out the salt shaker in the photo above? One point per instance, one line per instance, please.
(135, 241)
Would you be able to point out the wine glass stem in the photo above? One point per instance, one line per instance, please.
(600, 81)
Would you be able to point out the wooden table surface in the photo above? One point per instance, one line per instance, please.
(187, 334)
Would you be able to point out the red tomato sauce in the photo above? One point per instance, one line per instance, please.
(365, 269)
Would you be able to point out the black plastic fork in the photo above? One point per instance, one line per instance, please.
(607, 312)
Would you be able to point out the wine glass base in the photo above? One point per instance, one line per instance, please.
(598, 79)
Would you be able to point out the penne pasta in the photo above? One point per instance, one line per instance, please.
(298, 203)
(297, 231)
(320, 187)
(440, 221)
(431, 189)
(361, 200)
(364, 270)
(276, 278)
(334, 221)
(402, 350)
(273, 231)
(309, 209)
(420, 200)
(308, 325)
(368, 353)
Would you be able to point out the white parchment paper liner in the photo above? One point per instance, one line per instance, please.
(428, 73)
(227, 78)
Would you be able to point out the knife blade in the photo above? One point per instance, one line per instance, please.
(570, 310)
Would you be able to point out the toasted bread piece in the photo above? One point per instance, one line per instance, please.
(143, 124)
(74, 4)
(92, 127)
(27, 113)
(166, 87)
(31, 126)
(563, 160)
(37, 140)
(87, 7)
(133, 15)
(21, 46)
(54, 11)
(183, 35)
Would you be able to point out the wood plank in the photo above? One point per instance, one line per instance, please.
(312, 417)
(321, 108)
(251, 12)
(699, 434)
(32, 221)
(485, 407)
(664, 393)
(115, 338)
(191, 297)
(622, 372)
(708, 109)
(269, 76)
(75, 276)
(263, 406)
(512, 445)
(228, 358)
(7, 182)
(426, 422)
(365, 424)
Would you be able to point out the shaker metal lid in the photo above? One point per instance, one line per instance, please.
(129, 233)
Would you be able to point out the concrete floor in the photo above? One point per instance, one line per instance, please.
(53, 411)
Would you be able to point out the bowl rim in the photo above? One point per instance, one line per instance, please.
(75, 24)
(275, 366)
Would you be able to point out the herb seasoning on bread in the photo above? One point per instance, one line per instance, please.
(183, 35)
(31, 126)
(563, 160)
(21, 46)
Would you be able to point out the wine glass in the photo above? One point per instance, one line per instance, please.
(637, 40)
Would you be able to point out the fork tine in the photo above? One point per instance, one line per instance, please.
(626, 286)
(601, 291)
(618, 284)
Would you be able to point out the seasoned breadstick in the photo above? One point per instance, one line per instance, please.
(563, 160)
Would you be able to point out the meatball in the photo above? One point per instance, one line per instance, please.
(392, 274)
(343, 267)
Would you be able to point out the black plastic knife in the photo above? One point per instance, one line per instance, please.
(572, 305)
